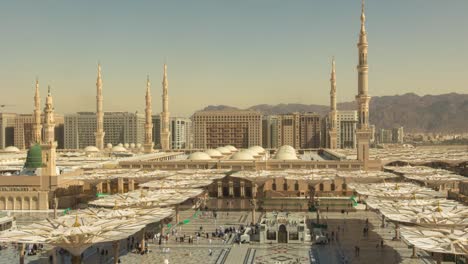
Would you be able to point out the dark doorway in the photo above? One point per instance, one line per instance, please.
(282, 234)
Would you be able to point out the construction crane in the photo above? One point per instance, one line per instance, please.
(3, 106)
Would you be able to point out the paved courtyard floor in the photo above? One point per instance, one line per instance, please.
(341, 251)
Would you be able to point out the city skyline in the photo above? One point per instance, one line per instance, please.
(288, 62)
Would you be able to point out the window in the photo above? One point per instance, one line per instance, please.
(321, 187)
(296, 186)
(332, 186)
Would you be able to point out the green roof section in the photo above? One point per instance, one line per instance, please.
(34, 158)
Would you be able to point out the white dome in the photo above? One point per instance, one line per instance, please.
(132, 145)
(242, 155)
(120, 145)
(257, 149)
(138, 145)
(285, 156)
(126, 145)
(231, 148)
(286, 148)
(199, 156)
(224, 150)
(118, 149)
(109, 145)
(213, 153)
(11, 149)
(91, 149)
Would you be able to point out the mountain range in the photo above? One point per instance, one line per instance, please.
(445, 113)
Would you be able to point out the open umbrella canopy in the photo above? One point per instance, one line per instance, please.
(147, 198)
(74, 233)
(396, 191)
(426, 174)
(176, 184)
(366, 176)
(441, 240)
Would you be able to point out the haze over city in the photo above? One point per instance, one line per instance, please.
(237, 53)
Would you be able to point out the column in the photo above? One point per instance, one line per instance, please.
(254, 190)
(143, 231)
(242, 189)
(177, 215)
(116, 247)
(254, 217)
(397, 232)
(108, 185)
(318, 216)
(99, 187)
(383, 221)
(220, 189)
(120, 185)
(131, 185)
(231, 188)
(414, 252)
(23, 246)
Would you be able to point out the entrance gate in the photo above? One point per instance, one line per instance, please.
(282, 234)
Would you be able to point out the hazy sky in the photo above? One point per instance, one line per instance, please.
(239, 53)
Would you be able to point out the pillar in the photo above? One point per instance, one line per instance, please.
(54, 255)
(99, 187)
(177, 215)
(116, 247)
(383, 221)
(143, 231)
(242, 189)
(254, 190)
(55, 207)
(318, 216)
(76, 259)
(414, 252)
(220, 189)
(120, 185)
(397, 232)
(254, 207)
(231, 188)
(108, 185)
(22, 248)
(131, 185)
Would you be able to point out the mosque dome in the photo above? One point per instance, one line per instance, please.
(34, 157)
(199, 156)
(132, 145)
(118, 149)
(285, 156)
(126, 145)
(213, 153)
(138, 145)
(109, 145)
(91, 149)
(257, 149)
(224, 150)
(242, 155)
(120, 145)
(286, 148)
(11, 149)
(231, 148)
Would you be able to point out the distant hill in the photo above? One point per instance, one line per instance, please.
(429, 113)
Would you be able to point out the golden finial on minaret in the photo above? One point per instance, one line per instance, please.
(438, 209)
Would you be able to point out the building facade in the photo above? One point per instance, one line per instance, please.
(120, 127)
(346, 127)
(270, 131)
(241, 129)
(299, 130)
(181, 132)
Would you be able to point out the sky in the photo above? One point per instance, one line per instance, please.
(239, 53)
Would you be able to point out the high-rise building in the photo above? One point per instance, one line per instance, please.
(156, 119)
(7, 129)
(346, 127)
(241, 129)
(270, 131)
(363, 133)
(181, 130)
(165, 115)
(299, 130)
(120, 127)
(385, 136)
(398, 135)
(25, 130)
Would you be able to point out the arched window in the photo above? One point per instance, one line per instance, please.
(321, 187)
(285, 185)
(332, 187)
(296, 186)
(344, 186)
(273, 186)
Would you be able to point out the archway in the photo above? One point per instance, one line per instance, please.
(282, 234)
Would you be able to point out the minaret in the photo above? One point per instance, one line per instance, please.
(37, 127)
(48, 143)
(99, 113)
(333, 112)
(363, 132)
(165, 133)
(148, 146)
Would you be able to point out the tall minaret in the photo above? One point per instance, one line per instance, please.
(49, 121)
(333, 112)
(99, 113)
(363, 132)
(48, 143)
(37, 127)
(165, 133)
(148, 146)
